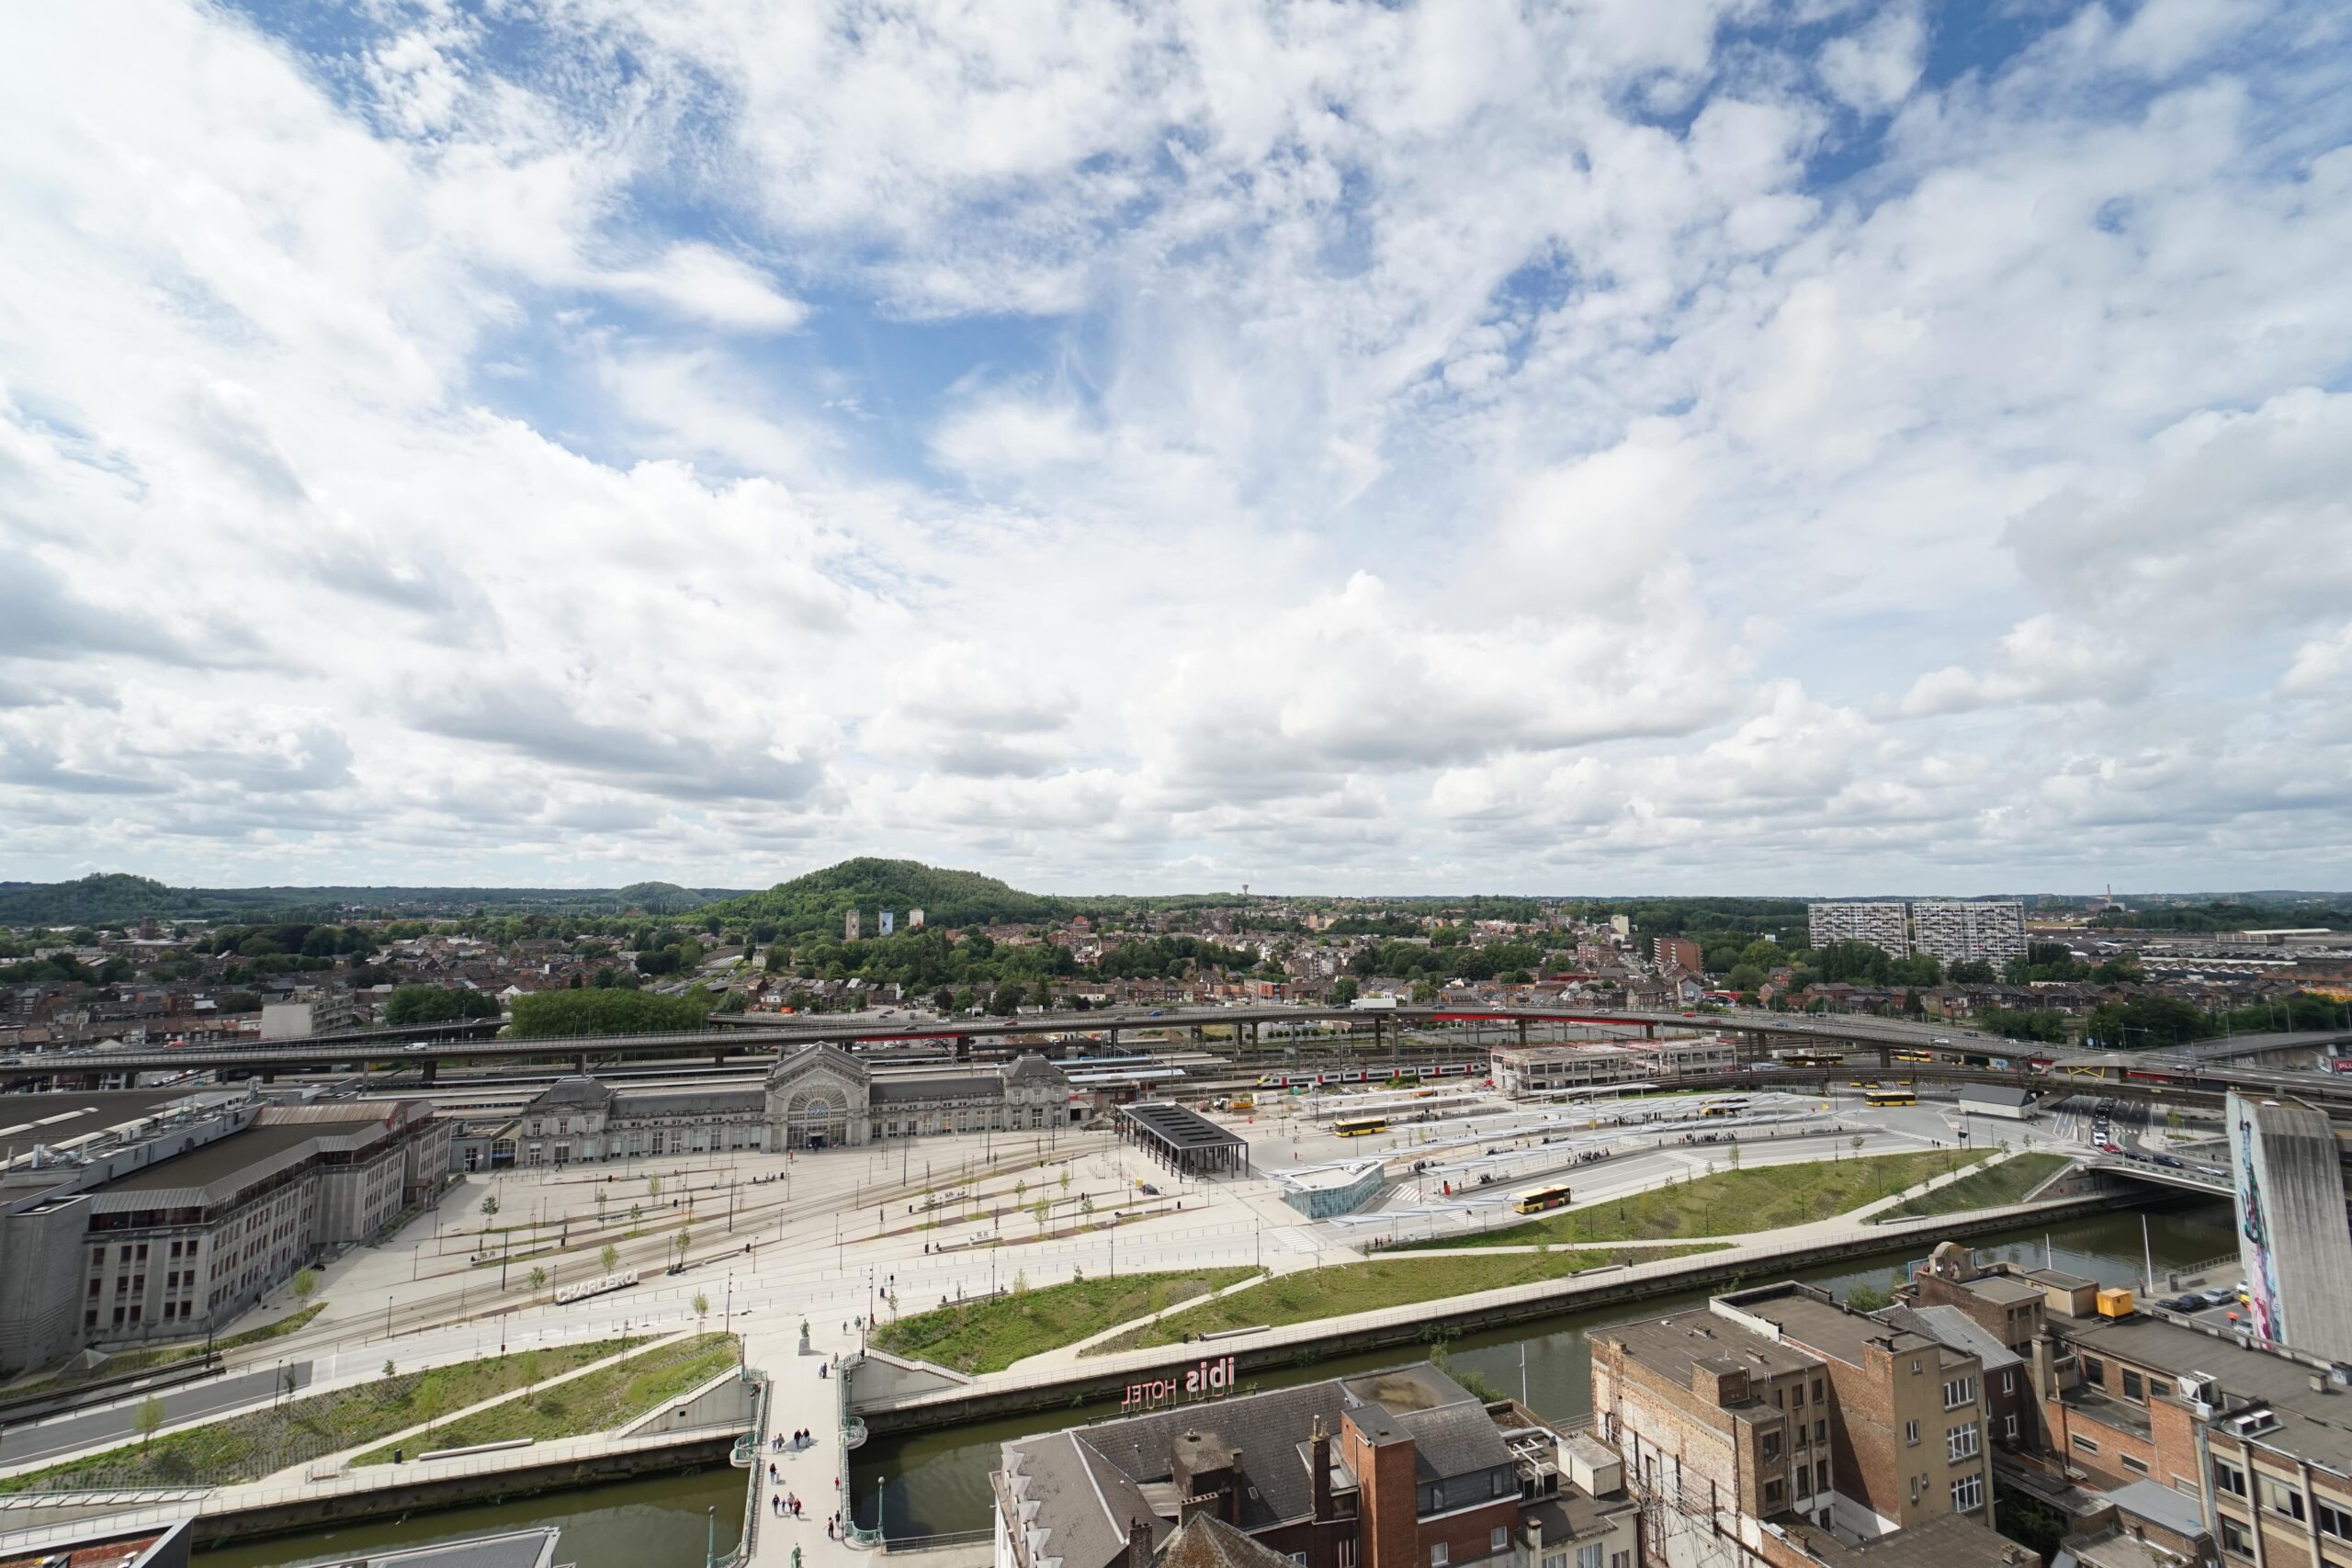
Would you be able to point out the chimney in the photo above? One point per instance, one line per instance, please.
(1138, 1543)
(1318, 1464)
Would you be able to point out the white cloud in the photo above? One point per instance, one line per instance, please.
(1376, 446)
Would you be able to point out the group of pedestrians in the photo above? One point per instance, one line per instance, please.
(784, 1504)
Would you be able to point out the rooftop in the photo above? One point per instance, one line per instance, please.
(1178, 1126)
(2315, 1425)
(1672, 1346)
(1829, 1328)
(229, 1157)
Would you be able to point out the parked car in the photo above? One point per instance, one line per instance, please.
(2191, 1301)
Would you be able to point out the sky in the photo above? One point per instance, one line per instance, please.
(1732, 445)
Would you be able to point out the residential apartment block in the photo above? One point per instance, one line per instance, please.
(1883, 926)
(1677, 953)
(1971, 930)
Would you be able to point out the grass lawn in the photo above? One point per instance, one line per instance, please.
(596, 1402)
(129, 1361)
(2006, 1183)
(1346, 1287)
(989, 1336)
(248, 1446)
(1730, 1202)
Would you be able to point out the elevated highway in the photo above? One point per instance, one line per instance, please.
(753, 1036)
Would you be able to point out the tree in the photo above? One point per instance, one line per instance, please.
(149, 1418)
(685, 1239)
(1971, 972)
(490, 1207)
(653, 1186)
(1867, 1297)
(636, 1212)
(701, 1305)
(305, 1281)
(610, 1257)
(538, 1278)
(1744, 978)
(1043, 1210)
(1343, 991)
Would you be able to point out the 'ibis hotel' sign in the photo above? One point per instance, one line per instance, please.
(1203, 1380)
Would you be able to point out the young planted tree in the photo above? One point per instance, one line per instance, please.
(305, 1281)
(538, 1278)
(610, 1257)
(701, 1306)
(149, 1418)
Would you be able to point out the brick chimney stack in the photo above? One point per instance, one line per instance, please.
(1139, 1544)
(1319, 1462)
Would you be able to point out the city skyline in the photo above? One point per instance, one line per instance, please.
(1697, 449)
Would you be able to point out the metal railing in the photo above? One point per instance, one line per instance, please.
(746, 1456)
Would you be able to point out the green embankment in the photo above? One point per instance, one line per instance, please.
(594, 1402)
(1347, 1288)
(128, 1361)
(989, 1336)
(1730, 1202)
(1997, 1187)
(248, 1446)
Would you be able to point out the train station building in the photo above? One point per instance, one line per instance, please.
(818, 1097)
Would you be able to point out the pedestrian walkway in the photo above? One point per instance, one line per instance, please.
(804, 1395)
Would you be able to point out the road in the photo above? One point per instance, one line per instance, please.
(118, 1422)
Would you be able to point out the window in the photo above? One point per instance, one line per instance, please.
(1796, 1395)
(2229, 1478)
(1771, 1495)
(2333, 1520)
(1959, 1442)
(1620, 1559)
(2094, 1371)
(2236, 1539)
(2085, 1444)
(1502, 1479)
(2009, 1427)
(2134, 1466)
(1911, 1433)
(1440, 1555)
(2280, 1497)
(2134, 1387)
(1589, 1556)
(1437, 1497)
(1968, 1493)
(2009, 1381)
(1772, 1447)
(1556, 1560)
(1821, 1432)
(1816, 1391)
(1497, 1537)
(1959, 1392)
(1804, 1480)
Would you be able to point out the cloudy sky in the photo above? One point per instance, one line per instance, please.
(1608, 445)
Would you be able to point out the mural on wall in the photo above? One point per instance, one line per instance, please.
(2253, 1231)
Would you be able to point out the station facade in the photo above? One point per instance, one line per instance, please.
(818, 1097)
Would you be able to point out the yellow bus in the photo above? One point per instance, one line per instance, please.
(1536, 1200)
(1914, 1057)
(1362, 1128)
(1724, 1108)
(1879, 1097)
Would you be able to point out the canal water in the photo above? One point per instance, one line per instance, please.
(936, 1482)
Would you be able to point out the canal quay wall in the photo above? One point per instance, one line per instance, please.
(28, 1521)
(895, 1406)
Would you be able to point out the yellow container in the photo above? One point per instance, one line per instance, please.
(2116, 1302)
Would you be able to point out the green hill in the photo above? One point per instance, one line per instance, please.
(114, 898)
(817, 902)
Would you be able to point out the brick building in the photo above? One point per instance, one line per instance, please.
(1776, 1408)
(1401, 1469)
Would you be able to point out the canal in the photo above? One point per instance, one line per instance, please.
(936, 1482)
